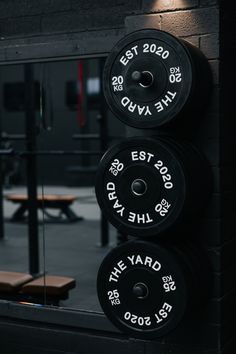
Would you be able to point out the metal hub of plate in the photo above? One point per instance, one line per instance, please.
(142, 289)
(150, 76)
(141, 186)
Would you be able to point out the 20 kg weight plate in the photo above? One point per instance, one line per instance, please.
(143, 289)
(150, 77)
(145, 185)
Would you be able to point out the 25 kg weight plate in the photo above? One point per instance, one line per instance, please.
(143, 289)
(145, 185)
(150, 77)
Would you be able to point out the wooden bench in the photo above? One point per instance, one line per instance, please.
(11, 282)
(49, 201)
(23, 287)
(53, 288)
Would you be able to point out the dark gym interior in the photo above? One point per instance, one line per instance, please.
(117, 177)
(71, 124)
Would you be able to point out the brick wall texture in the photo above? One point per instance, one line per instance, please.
(198, 23)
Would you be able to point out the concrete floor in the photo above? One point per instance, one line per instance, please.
(71, 249)
(86, 205)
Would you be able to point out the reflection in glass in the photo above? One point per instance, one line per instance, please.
(71, 129)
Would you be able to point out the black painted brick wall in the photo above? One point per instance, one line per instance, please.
(198, 23)
(26, 18)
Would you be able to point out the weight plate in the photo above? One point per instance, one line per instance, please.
(143, 289)
(144, 186)
(141, 186)
(151, 76)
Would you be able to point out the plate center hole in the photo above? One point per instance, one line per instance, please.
(139, 187)
(143, 78)
(140, 290)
